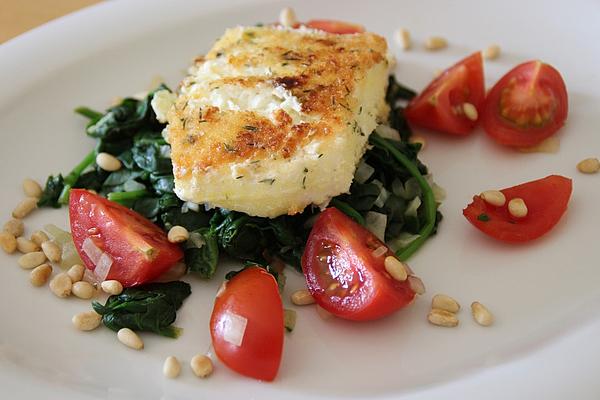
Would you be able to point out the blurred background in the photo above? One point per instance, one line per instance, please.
(18, 16)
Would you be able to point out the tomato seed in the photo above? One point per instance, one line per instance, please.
(470, 111)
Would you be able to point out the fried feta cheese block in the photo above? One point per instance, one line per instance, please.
(275, 119)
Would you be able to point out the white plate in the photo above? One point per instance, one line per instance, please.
(539, 293)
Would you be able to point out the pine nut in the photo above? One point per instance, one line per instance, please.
(15, 227)
(83, 290)
(25, 245)
(178, 234)
(171, 367)
(470, 111)
(112, 287)
(287, 17)
(402, 37)
(517, 208)
(493, 197)
(416, 285)
(201, 365)
(395, 268)
(61, 285)
(52, 251)
(442, 318)
(8, 242)
(76, 272)
(108, 162)
(416, 139)
(32, 189)
(40, 274)
(32, 260)
(87, 320)
(435, 43)
(130, 339)
(25, 207)
(302, 298)
(589, 166)
(444, 302)
(39, 237)
(481, 314)
(491, 52)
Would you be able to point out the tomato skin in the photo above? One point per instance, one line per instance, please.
(333, 26)
(539, 79)
(254, 295)
(439, 106)
(376, 295)
(123, 234)
(546, 201)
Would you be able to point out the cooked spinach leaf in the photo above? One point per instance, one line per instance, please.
(202, 252)
(152, 307)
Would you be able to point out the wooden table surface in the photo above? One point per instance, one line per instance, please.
(18, 16)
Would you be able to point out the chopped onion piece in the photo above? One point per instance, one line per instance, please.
(103, 266)
(376, 223)
(413, 206)
(383, 194)
(132, 185)
(190, 206)
(195, 240)
(363, 172)
(439, 193)
(69, 256)
(403, 240)
(233, 328)
(387, 132)
(378, 252)
(91, 250)
(165, 151)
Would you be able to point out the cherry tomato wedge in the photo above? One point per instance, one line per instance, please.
(546, 200)
(526, 105)
(332, 26)
(246, 324)
(135, 250)
(344, 275)
(441, 105)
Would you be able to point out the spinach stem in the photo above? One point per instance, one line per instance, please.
(428, 198)
(71, 179)
(88, 113)
(127, 196)
(348, 210)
